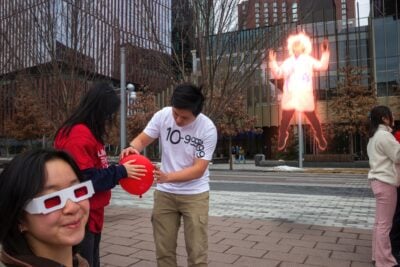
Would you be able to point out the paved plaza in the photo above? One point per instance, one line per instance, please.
(268, 228)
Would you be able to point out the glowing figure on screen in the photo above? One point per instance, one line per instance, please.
(298, 93)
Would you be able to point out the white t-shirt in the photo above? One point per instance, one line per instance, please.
(181, 146)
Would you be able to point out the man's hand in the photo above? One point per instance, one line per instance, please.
(127, 151)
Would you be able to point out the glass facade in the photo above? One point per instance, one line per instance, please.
(387, 56)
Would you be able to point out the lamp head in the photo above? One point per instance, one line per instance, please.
(130, 87)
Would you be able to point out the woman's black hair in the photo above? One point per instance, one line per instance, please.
(96, 108)
(21, 180)
(376, 117)
(188, 96)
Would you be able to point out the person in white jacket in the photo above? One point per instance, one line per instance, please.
(298, 92)
(384, 153)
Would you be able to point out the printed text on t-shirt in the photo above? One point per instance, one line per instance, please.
(175, 137)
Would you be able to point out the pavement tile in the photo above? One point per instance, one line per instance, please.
(326, 228)
(120, 250)
(361, 264)
(147, 245)
(143, 263)
(251, 231)
(145, 237)
(251, 252)
(360, 242)
(215, 238)
(120, 241)
(327, 262)
(297, 243)
(311, 251)
(255, 262)
(287, 257)
(144, 255)
(307, 232)
(363, 250)
(276, 228)
(272, 247)
(336, 247)
(219, 264)
(350, 256)
(218, 247)
(340, 234)
(230, 235)
(222, 257)
(224, 228)
(118, 260)
(285, 235)
(237, 243)
(328, 239)
(295, 225)
(293, 264)
(261, 238)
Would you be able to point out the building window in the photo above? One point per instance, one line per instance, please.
(294, 11)
(344, 13)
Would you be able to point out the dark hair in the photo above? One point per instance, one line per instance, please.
(188, 96)
(21, 180)
(96, 108)
(375, 118)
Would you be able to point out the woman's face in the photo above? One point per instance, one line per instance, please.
(388, 121)
(63, 227)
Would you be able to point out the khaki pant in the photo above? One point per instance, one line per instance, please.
(166, 219)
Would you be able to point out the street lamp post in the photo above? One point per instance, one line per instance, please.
(123, 101)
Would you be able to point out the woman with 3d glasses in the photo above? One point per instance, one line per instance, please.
(44, 207)
(82, 136)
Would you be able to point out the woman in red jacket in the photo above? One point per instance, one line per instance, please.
(82, 136)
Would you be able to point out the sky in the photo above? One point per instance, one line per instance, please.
(364, 11)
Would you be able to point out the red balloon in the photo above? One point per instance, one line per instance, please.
(138, 187)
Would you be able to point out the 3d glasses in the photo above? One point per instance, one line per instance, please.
(57, 200)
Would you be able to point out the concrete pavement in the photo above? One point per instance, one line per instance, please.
(237, 240)
(127, 241)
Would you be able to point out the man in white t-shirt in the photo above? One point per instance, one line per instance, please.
(188, 139)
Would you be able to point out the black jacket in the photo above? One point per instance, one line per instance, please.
(35, 261)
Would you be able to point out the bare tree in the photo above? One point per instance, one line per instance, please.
(351, 103)
(29, 120)
(60, 48)
(228, 62)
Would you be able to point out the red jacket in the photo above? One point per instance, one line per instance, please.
(91, 158)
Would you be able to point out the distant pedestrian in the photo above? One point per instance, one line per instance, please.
(383, 152)
(233, 154)
(241, 155)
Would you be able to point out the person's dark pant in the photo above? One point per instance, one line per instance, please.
(395, 232)
(89, 248)
(312, 118)
(310, 115)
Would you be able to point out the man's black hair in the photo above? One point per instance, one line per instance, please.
(188, 96)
